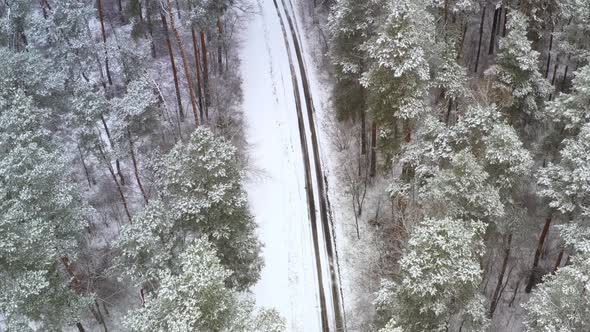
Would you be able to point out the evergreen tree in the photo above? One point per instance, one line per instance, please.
(41, 223)
(195, 298)
(517, 72)
(572, 111)
(200, 195)
(562, 302)
(439, 279)
(397, 78)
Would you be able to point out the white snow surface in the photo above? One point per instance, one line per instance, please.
(277, 195)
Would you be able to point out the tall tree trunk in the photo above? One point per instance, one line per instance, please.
(496, 296)
(219, 46)
(174, 71)
(493, 32)
(85, 167)
(500, 21)
(70, 270)
(205, 74)
(184, 63)
(505, 21)
(120, 6)
(483, 18)
(407, 131)
(449, 108)
(114, 177)
(373, 169)
(363, 132)
(555, 70)
(549, 54)
(148, 14)
(98, 316)
(198, 66)
(117, 163)
(533, 277)
(563, 81)
(135, 168)
(558, 261)
(177, 9)
(462, 42)
(80, 327)
(104, 41)
(140, 14)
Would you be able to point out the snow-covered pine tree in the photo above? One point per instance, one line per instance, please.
(398, 73)
(349, 30)
(562, 302)
(200, 193)
(439, 279)
(520, 88)
(194, 297)
(42, 219)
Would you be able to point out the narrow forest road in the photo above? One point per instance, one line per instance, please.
(288, 196)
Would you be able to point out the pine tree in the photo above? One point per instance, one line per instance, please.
(41, 223)
(562, 302)
(194, 297)
(200, 188)
(517, 72)
(572, 111)
(397, 78)
(439, 279)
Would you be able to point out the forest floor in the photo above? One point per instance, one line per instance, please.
(288, 192)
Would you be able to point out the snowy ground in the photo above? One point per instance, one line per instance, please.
(277, 195)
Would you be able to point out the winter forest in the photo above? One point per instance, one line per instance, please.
(295, 165)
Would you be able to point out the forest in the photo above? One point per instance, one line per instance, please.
(295, 165)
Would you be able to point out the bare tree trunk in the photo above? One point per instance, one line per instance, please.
(555, 70)
(140, 14)
(114, 177)
(70, 270)
(505, 21)
(407, 131)
(85, 168)
(148, 14)
(174, 71)
(205, 74)
(117, 163)
(135, 168)
(80, 327)
(363, 132)
(567, 67)
(373, 170)
(177, 9)
(549, 53)
(449, 108)
(493, 33)
(198, 66)
(514, 294)
(558, 262)
(496, 296)
(533, 277)
(219, 46)
(184, 63)
(104, 40)
(483, 18)
(98, 316)
(462, 42)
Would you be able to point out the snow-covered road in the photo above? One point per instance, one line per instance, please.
(288, 197)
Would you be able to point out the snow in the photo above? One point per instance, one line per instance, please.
(277, 196)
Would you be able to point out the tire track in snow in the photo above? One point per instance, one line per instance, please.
(308, 180)
(320, 178)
